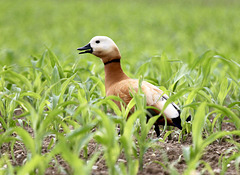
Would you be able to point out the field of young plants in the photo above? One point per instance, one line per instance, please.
(55, 117)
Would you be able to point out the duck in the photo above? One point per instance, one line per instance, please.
(117, 83)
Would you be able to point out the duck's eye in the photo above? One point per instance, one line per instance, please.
(97, 41)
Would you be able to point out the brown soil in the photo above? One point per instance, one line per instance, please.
(167, 153)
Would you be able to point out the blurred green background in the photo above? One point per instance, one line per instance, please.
(141, 29)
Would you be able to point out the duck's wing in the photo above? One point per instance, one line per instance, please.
(156, 97)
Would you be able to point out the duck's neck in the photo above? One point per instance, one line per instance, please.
(113, 74)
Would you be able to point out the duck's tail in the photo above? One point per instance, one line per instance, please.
(175, 121)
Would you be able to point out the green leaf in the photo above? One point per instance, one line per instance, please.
(30, 94)
(55, 63)
(31, 165)
(197, 126)
(26, 138)
(228, 113)
(17, 78)
(223, 91)
(98, 83)
(64, 86)
(56, 81)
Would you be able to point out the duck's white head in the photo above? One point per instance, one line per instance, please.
(102, 47)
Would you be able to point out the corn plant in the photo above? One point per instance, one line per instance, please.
(58, 95)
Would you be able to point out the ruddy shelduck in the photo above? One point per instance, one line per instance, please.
(119, 84)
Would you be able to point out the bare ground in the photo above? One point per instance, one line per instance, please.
(169, 152)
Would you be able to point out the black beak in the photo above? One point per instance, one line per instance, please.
(86, 49)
